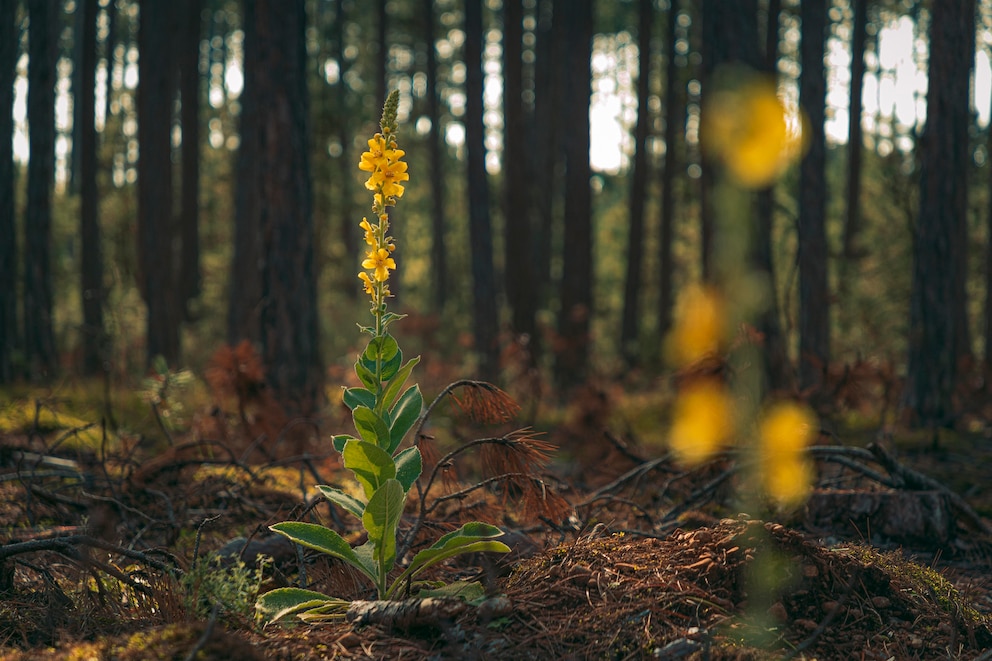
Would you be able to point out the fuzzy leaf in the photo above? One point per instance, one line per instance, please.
(391, 367)
(359, 397)
(345, 501)
(371, 465)
(409, 466)
(470, 538)
(405, 415)
(370, 426)
(320, 538)
(396, 383)
(365, 375)
(381, 518)
(277, 604)
(339, 441)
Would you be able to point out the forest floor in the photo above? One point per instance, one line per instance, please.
(113, 549)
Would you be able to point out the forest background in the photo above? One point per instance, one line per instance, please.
(183, 176)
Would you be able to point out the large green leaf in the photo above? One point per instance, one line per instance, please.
(371, 465)
(382, 348)
(407, 411)
(396, 383)
(279, 603)
(320, 539)
(359, 397)
(340, 498)
(370, 426)
(390, 367)
(473, 537)
(381, 518)
(409, 466)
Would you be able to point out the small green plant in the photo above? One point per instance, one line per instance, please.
(232, 587)
(383, 413)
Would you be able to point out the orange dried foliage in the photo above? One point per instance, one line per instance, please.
(236, 376)
(484, 403)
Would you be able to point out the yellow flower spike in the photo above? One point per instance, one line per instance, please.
(375, 157)
(702, 421)
(700, 325)
(380, 262)
(785, 432)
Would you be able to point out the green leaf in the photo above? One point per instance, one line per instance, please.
(470, 591)
(370, 426)
(340, 440)
(383, 348)
(390, 317)
(381, 518)
(409, 466)
(391, 367)
(396, 383)
(320, 539)
(371, 465)
(345, 501)
(365, 555)
(277, 604)
(359, 397)
(404, 415)
(472, 537)
(365, 375)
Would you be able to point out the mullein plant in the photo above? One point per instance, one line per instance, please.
(384, 412)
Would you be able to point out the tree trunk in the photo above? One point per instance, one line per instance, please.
(814, 304)
(189, 92)
(109, 44)
(572, 358)
(348, 226)
(157, 34)
(549, 93)
(275, 44)
(939, 244)
(439, 253)
(9, 342)
(775, 355)
(39, 338)
(674, 114)
(485, 321)
(852, 219)
(518, 267)
(92, 255)
(79, 19)
(631, 318)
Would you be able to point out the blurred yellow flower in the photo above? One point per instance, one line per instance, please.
(785, 431)
(380, 262)
(699, 325)
(750, 131)
(702, 421)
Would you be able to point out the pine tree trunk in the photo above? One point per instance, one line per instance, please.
(852, 219)
(937, 298)
(631, 318)
(485, 322)
(574, 317)
(814, 304)
(439, 253)
(9, 342)
(39, 338)
(189, 92)
(92, 255)
(157, 34)
(674, 115)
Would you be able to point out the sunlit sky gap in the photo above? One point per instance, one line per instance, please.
(894, 94)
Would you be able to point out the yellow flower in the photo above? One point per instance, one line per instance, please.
(387, 177)
(367, 281)
(702, 421)
(749, 130)
(785, 432)
(369, 235)
(380, 262)
(699, 325)
(375, 157)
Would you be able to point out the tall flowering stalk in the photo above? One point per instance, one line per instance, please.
(383, 413)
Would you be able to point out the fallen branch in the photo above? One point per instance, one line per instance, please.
(69, 544)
